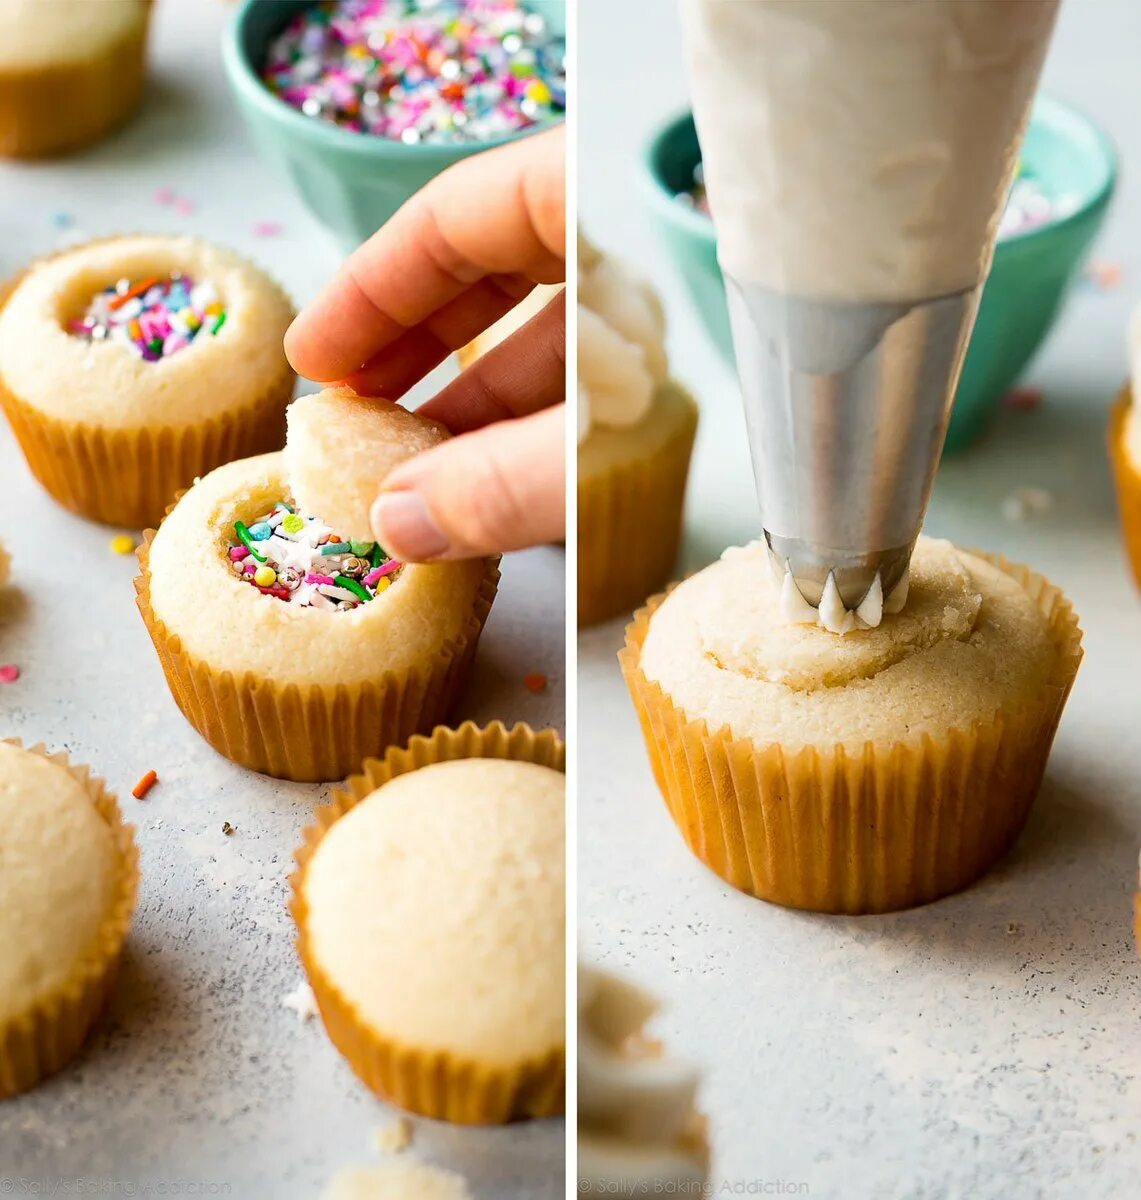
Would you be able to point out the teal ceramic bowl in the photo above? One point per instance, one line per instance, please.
(351, 182)
(1029, 280)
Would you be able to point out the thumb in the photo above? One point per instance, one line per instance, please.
(500, 488)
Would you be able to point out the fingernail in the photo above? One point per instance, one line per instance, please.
(405, 528)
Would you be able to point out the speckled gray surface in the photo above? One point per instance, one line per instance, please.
(199, 1076)
(984, 1046)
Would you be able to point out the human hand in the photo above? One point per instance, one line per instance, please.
(459, 255)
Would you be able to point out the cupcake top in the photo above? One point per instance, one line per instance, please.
(621, 344)
(158, 330)
(969, 640)
(316, 632)
(436, 906)
(339, 448)
(637, 1123)
(402, 1179)
(59, 871)
(43, 33)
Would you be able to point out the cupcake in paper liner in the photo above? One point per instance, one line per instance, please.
(430, 902)
(294, 648)
(639, 1131)
(132, 365)
(635, 436)
(1125, 455)
(858, 773)
(71, 71)
(68, 876)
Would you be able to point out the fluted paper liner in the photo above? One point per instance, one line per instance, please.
(62, 107)
(321, 732)
(128, 477)
(44, 1039)
(629, 528)
(863, 828)
(430, 1082)
(1127, 478)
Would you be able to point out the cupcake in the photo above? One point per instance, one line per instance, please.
(1125, 455)
(132, 365)
(639, 1133)
(430, 907)
(293, 648)
(68, 878)
(856, 773)
(635, 434)
(71, 71)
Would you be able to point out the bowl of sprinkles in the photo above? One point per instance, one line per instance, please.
(1057, 203)
(302, 561)
(363, 101)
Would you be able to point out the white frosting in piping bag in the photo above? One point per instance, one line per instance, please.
(832, 614)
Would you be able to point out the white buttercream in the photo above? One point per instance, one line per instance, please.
(621, 344)
(832, 614)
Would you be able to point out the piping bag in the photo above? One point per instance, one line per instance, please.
(857, 157)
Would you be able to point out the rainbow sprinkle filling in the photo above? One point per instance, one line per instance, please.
(302, 561)
(155, 317)
(435, 71)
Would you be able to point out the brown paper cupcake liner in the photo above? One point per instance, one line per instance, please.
(47, 1037)
(629, 528)
(431, 1083)
(319, 733)
(1127, 479)
(856, 829)
(64, 107)
(129, 476)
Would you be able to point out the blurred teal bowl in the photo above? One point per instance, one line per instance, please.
(351, 182)
(1029, 279)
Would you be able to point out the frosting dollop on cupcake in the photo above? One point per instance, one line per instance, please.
(621, 344)
(638, 1126)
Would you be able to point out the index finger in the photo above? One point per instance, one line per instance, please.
(498, 213)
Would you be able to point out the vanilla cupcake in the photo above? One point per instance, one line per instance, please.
(68, 878)
(635, 435)
(639, 1132)
(130, 366)
(430, 902)
(1125, 453)
(71, 71)
(293, 648)
(856, 773)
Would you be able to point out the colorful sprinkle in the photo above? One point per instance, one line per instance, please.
(1023, 398)
(62, 220)
(432, 71)
(164, 195)
(155, 317)
(144, 785)
(1104, 274)
(184, 207)
(536, 681)
(266, 229)
(299, 559)
(123, 543)
(9, 672)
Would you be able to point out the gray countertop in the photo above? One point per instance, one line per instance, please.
(984, 1046)
(200, 1080)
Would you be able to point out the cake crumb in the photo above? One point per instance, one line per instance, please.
(1026, 502)
(301, 1001)
(394, 1138)
(227, 829)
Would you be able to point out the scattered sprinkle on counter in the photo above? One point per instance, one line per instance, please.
(535, 681)
(266, 229)
(1023, 398)
(144, 785)
(1104, 273)
(9, 672)
(123, 543)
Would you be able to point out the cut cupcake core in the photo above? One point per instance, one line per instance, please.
(299, 559)
(154, 316)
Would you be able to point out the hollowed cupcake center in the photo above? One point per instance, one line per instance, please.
(155, 317)
(413, 71)
(303, 561)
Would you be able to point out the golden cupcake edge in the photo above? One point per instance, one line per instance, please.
(47, 1037)
(871, 828)
(431, 1083)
